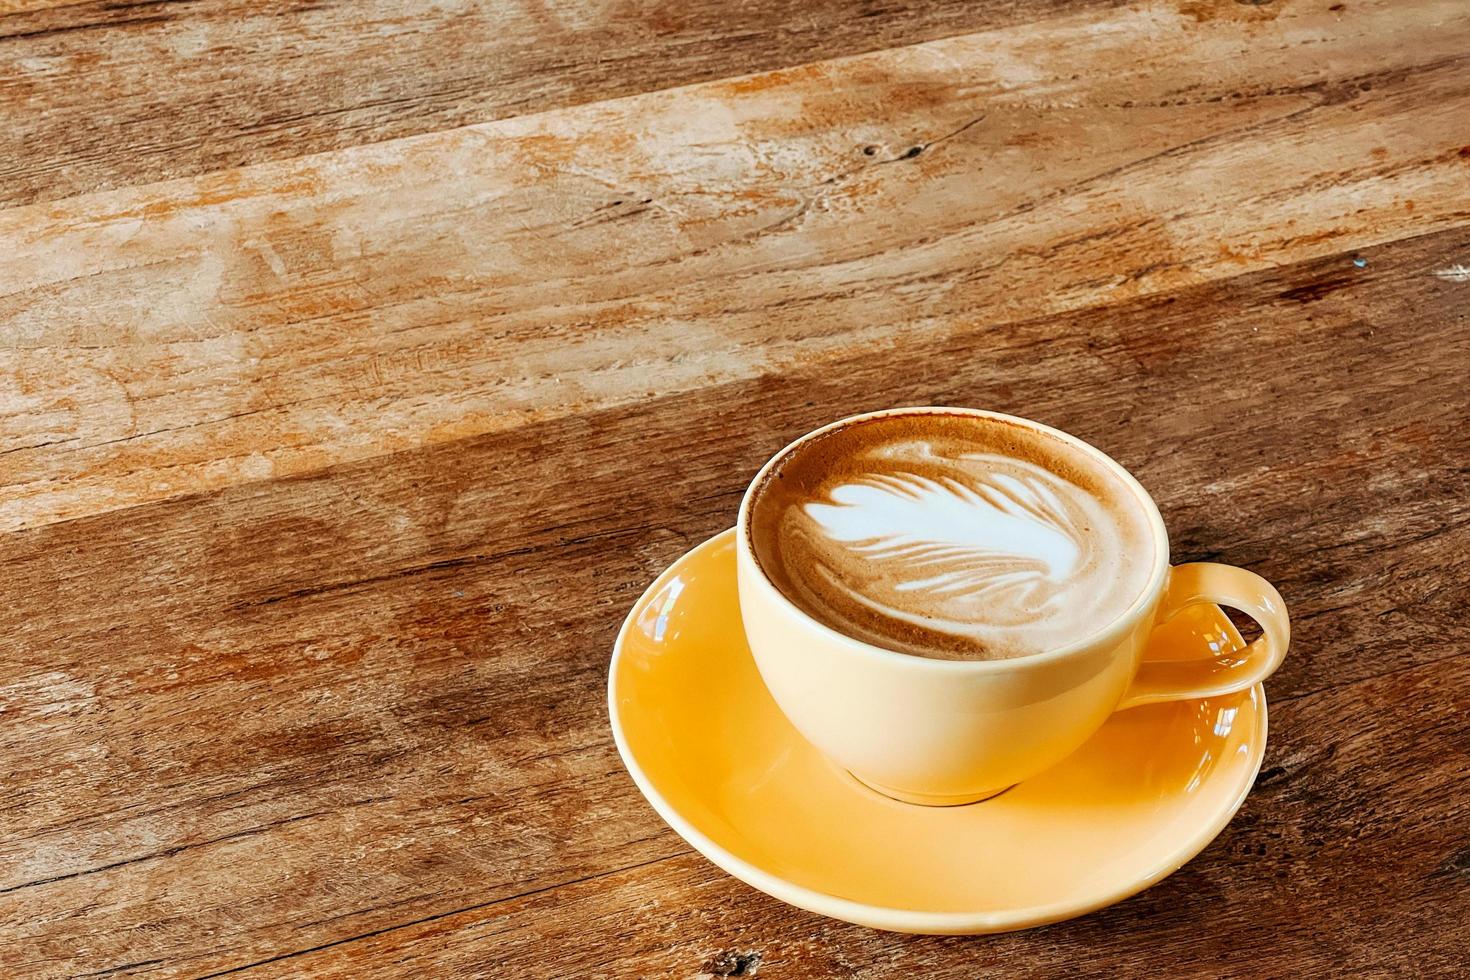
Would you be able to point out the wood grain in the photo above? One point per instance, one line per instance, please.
(269, 321)
(337, 436)
(143, 91)
(367, 702)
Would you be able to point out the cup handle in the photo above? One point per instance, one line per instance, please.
(1176, 680)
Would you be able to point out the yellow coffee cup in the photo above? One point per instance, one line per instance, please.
(944, 732)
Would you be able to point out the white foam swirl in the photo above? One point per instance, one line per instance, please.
(994, 542)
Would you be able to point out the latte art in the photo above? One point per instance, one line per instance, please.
(951, 538)
(1003, 540)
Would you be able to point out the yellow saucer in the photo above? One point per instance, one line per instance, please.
(721, 764)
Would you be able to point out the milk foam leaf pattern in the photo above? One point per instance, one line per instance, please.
(1001, 537)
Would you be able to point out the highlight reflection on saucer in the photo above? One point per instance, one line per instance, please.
(718, 760)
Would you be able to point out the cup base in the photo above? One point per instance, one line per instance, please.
(929, 799)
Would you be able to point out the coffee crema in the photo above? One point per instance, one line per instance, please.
(951, 536)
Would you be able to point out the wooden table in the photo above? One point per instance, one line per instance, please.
(362, 362)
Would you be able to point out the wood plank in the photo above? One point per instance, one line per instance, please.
(97, 95)
(312, 709)
(1378, 805)
(271, 321)
(26, 6)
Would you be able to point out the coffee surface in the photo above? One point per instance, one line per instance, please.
(950, 536)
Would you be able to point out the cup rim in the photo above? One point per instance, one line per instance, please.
(1109, 633)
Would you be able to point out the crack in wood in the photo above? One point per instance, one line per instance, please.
(73, 28)
(479, 906)
(115, 970)
(172, 851)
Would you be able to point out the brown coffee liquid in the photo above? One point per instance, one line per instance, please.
(951, 536)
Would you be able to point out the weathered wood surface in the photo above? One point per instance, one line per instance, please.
(318, 689)
(266, 322)
(308, 710)
(97, 93)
